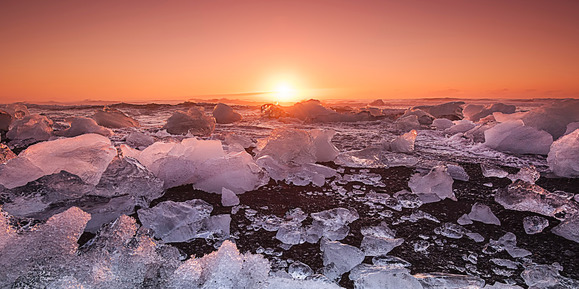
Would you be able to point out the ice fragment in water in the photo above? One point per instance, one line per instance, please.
(404, 143)
(32, 127)
(176, 222)
(228, 198)
(448, 281)
(527, 174)
(515, 137)
(194, 121)
(82, 125)
(435, 186)
(535, 224)
(377, 277)
(563, 158)
(482, 213)
(86, 156)
(223, 113)
(343, 256)
(114, 118)
(299, 270)
(490, 171)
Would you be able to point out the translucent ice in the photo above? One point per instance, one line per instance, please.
(542, 276)
(345, 257)
(5, 120)
(482, 213)
(139, 140)
(407, 123)
(378, 277)
(81, 125)
(114, 118)
(6, 153)
(435, 186)
(508, 242)
(457, 172)
(223, 113)
(422, 116)
(442, 123)
(490, 171)
(334, 219)
(535, 224)
(228, 198)
(86, 156)
(296, 147)
(571, 127)
(404, 143)
(379, 240)
(299, 270)
(447, 281)
(193, 121)
(568, 228)
(32, 127)
(554, 117)
(563, 158)
(527, 174)
(176, 222)
(516, 137)
(450, 110)
(451, 230)
(460, 126)
(475, 112)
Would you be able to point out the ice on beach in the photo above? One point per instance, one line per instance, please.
(114, 118)
(407, 123)
(299, 270)
(194, 121)
(379, 240)
(6, 153)
(543, 276)
(460, 126)
(314, 112)
(482, 213)
(82, 125)
(516, 137)
(449, 110)
(433, 187)
(457, 172)
(5, 121)
(563, 158)
(568, 228)
(335, 219)
(367, 276)
(442, 123)
(534, 224)
(139, 140)
(571, 127)
(228, 198)
(343, 256)
(451, 230)
(554, 117)
(86, 156)
(178, 222)
(508, 242)
(224, 114)
(404, 143)
(490, 171)
(32, 127)
(448, 281)
(527, 174)
(475, 112)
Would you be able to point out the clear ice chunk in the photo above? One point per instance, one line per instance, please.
(224, 114)
(82, 125)
(404, 143)
(448, 281)
(194, 122)
(490, 171)
(516, 137)
(435, 186)
(457, 172)
(299, 270)
(534, 224)
(563, 158)
(228, 198)
(482, 213)
(343, 256)
(139, 140)
(527, 174)
(31, 127)
(114, 118)
(377, 277)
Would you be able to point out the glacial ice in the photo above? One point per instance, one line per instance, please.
(527, 174)
(139, 140)
(423, 117)
(568, 228)
(224, 114)
(31, 128)
(516, 137)
(571, 127)
(448, 281)
(6, 153)
(194, 121)
(299, 270)
(450, 110)
(202, 163)
(554, 117)
(114, 118)
(343, 256)
(475, 112)
(563, 158)
(534, 224)
(407, 123)
(508, 242)
(457, 172)
(82, 125)
(404, 143)
(177, 222)
(490, 171)
(314, 112)
(433, 187)
(442, 123)
(86, 156)
(5, 121)
(543, 276)
(228, 198)
(367, 276)
(482, 213)
(379, 240)
(460, 126)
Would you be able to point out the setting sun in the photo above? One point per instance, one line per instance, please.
(285, 93)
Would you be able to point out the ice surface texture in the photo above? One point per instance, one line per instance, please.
(563, 157)
(86, 156)
(435, 186)
(81, 125)
(516, 137)
(194, 121)
(32, 127)
(114, 118)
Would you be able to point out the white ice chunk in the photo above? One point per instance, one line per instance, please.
(516, 137)
(435, 186)
(139, 140)
(86, 156)
(404, 143)
(568, 228)
(490, 171)
(534, 224)
(228, 198)
(460, 126)
(554, 117)
(343, 256)
(442, 123)
(482, 213)
(285, 283)
(378, 277)
(475, 112)
(407, 123)
(82, 125)
(449, 281)
(547, 276)
(114, 118)
(464, 220)
(563, 157)
(224, 113)
(193, 121)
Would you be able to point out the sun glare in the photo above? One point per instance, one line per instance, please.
(285, 93)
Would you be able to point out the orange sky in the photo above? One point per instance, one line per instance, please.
(143, 50)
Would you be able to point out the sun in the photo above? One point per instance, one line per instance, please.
(285, 93)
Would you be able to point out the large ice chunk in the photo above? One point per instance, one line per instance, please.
(554, 117)
(81, 125)
(343, 256)
(516, 137)
(547, 276)
(450, 110)
(223, 113)
(379, 240)
(5, 121)
(563, 158)
(86, 156)
(32, 127)
(534, 224)
(449, 281)
(139, 140)
(404, 143)
(193, 121)
(475, 112)
(460, 126)
(114, 118)
(435, 186)
(378, 277)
